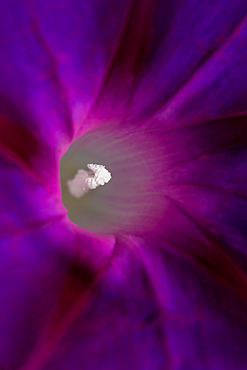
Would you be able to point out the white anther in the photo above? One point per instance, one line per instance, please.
(88, 180)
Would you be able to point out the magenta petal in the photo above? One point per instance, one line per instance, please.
(45, 277)
(160, 89)
(151, 308)
(217, 89)
(212, 186)
(54, 56)
(32, 273)
(198, 306)
(27, 204)
(201, 54)
(22, 146)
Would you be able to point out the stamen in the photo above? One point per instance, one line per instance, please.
(88, 180)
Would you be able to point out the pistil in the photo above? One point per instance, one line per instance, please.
(84, 180)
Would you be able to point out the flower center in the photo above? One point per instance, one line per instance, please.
(84, 181)
(132, 202)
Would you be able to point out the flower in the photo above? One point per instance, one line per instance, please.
(154, 276)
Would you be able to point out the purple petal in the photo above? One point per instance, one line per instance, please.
(151, 308)
(197, 68)
(191, 48)
(27, 151)
(45, 275)
(173, 294)
(26, 203)
(217, 88)
(31, 276)
(53, 60)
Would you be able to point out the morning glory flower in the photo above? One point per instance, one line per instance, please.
(123, 185)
